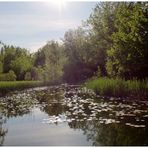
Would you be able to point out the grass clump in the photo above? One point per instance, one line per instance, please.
(6, 86)
(118, 87)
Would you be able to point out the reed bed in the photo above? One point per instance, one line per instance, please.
(6, 86)
(118, 87)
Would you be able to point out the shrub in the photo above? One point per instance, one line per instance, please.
(11, 76)
(8, 76)
(28, 76)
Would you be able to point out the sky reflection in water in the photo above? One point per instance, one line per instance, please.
(69, 116)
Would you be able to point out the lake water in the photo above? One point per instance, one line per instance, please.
(71, 116)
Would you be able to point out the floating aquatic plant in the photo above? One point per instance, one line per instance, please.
(70, 104)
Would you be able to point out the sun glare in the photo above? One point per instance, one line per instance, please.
(58, 4)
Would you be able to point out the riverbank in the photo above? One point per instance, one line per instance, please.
(51, 111)
(6, 86)
(102, 86)
(119, 87)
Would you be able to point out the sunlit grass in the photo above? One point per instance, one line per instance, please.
(118, 87)
(15, 85)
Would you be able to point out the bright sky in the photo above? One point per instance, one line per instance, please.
(32, 24)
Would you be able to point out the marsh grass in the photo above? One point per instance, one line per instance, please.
(118, 87)
(6, 86)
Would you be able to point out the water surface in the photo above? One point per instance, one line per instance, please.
(71, 116)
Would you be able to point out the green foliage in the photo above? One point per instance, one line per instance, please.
(128, 55)
(28, 76)
(45, 65)
(18, 85)
(37, 73)
(2, 77)
(39, 58)
(113, 42)
(8, 76)
(21, 65)
(11, 75)
(16, 59)
(81, 63)
(77, 45)
(101, 22)
(8, 57)
(1, 67)
(54, 61)
(119, 87)
(50, 61)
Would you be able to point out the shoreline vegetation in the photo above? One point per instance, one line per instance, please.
(7, 86)
(111, 45)
(119, 87)
(109, 87)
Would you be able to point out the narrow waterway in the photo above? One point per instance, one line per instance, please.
(68, 115)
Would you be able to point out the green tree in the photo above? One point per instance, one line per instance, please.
(27, 76)
(39, 58)
(128, 55)
(9, 55)
(79, 51)
(20, 66)
(1, 67)
(49, 61)
(15, 58)
(37, 73)
(55, 59)
(11, 76)
(102, 25)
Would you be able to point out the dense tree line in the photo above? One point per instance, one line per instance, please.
(14, 60)
(128, 56)
(45, 65)
(113, 42)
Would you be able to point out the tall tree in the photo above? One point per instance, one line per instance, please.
(78, 49)
(9, 56)
(128, 55)
(51, 58)
(102, 25)
(20, 66)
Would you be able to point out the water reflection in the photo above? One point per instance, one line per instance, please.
(106, 122)
(17, 104)
(3, 131)
(112, 134)
(14, 105)
(51, 101)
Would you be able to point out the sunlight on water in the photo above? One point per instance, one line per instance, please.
(69, 115)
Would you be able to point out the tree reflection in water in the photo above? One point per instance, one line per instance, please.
(100, 134)
(53, 102)
(112, 134)
(13, 106)
(3, 131)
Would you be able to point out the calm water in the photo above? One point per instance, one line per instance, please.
(71, 116)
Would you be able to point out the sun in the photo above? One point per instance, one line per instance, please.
(58, 4)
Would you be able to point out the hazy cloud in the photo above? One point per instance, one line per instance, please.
(28, 25)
